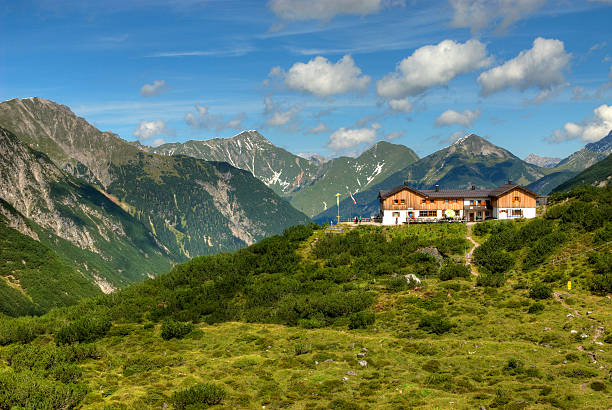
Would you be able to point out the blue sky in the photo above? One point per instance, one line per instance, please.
(321, 76)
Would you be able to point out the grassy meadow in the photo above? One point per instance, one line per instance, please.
(311, 319)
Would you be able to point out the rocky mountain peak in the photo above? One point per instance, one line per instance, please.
(535, 159)
(604, 145)
(476, 145)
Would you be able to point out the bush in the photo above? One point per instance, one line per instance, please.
(86, 329)
(598, 385)
(171, 329)
(29, 390)
(200, 394)
(535, 308)
(540, 291)
(301, 348)
(492, 259)
(437, 324)
(490, 279)
(453, 270)
(361, 320)
(19, 330)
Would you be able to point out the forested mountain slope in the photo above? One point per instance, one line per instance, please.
(309, 185)
(102, 241)
(191, 207)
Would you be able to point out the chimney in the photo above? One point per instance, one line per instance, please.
(437, 187)
(509, 182)
(473, 187)
(405, 182)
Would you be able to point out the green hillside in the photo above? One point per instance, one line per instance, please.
(33, 277)
(312, 319)
(599, 174)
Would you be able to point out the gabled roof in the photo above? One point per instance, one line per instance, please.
(386, 194)
(456, 193)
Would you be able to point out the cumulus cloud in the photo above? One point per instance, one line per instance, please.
(149, 90)
(325, 9)
(402, 104)
(345, 138)
(450, 117)
(204, 119)
(277, 116)
(480, 14)
(540, 67)
(590, 130)
(319, 129)
(323, 78)
(149, 129)
(433, 65)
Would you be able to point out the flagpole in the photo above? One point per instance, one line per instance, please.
(338, 206)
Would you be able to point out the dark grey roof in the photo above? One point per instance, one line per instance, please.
(456, 193)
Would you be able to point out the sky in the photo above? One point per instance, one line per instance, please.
(330, 77)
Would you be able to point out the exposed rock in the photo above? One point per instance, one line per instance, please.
(430, 250)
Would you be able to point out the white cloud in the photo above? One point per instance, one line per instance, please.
(450, 117)
(276, 115)
(149, 90)
(393, 135)
(157, 142)
(433, 65)
(539, 67)
(204, 119)
(320, 128)
(589, 130)
(480, 14)
(149, 129)
(453, 137)
(402, 104)
(325, 9)
(345, 138)
(322, 78)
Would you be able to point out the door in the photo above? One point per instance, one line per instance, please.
(471, 216)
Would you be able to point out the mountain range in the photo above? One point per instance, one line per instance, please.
(118, 214)
(310, 185)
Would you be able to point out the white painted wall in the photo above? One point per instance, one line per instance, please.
(528, 213)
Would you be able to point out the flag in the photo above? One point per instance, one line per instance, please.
(354, 202)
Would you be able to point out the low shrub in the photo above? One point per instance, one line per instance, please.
(171, 329)
(86, 329)
(535, 308)
(301, 348)
(598, 386)
(491, 279)
(453, 270)
(198, 395)
(361, 320)
(540, 291)
(437, 324)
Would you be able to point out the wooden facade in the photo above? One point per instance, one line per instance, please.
(516, 198)
(507, 201)
(407, 199)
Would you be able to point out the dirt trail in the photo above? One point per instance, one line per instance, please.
(468, 256)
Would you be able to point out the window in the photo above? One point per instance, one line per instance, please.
(446, 201)
(428, 214)
(424, 201)
(517, 212)
(403, 201)
(454, 201)
(395, 214)
(516, 199)
(471, 202)
(395, 202)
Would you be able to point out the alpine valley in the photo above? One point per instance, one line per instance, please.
(113, 213)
